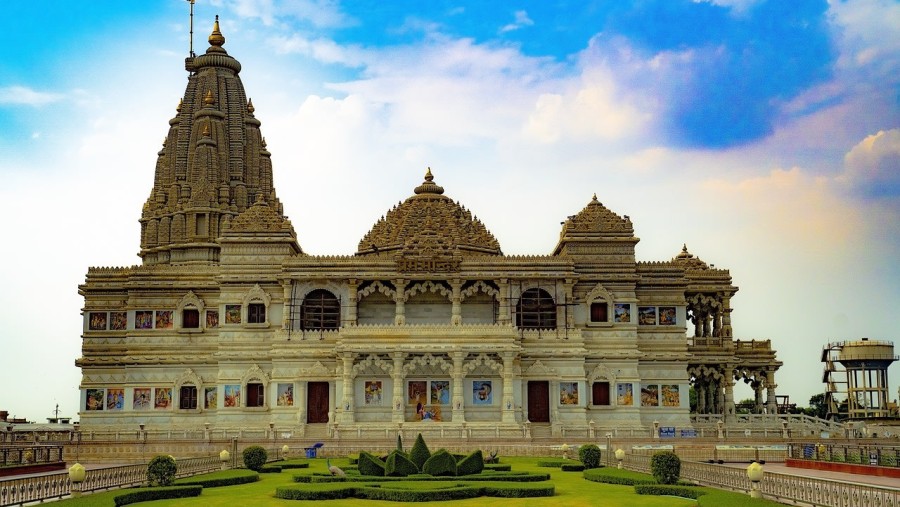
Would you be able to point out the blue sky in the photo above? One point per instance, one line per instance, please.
(767, 138)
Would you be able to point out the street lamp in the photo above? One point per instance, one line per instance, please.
(565, 450)
(77, 474)
(755, 474)
(224, 456)
(620, 455)
(608, 448)
(284, 451)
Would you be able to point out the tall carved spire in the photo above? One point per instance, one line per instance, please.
(212, 167)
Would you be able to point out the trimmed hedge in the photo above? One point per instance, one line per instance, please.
(220, 479)
(255, 457)
(270, 469)
(401, 491)
(669, 490)
(370, 465)
(161, 470)
(471, 464)
(666, 467)
(163, 493)
(398, 465)
(616, 476)
(497, 467)
(589, 455)
(440, 463)
(419, 453)
(555, 463)
(572, 468)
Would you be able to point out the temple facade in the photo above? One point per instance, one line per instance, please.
(228, 323)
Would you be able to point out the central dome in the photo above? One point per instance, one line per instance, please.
(429, 224)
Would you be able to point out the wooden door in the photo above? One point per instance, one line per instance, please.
(317, 403)
(539, 401)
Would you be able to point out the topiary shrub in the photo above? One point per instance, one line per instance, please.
(148, 495)
(370, 465)
(666, 467)
(419, 453)
(589, 455)
(255, 457)
(398, 465)
(440, 463)
(471, 464)
(161, 471)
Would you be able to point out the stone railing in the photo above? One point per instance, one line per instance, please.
(781, 487)
(861, 453)
(30, 454)
(18, 491)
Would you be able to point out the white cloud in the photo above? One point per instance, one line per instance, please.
(521, 20)
(873, 165)
(21, 95)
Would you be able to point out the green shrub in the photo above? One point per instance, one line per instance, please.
(572, 467)
(218, 479)
(398, 465)
(255, 457)
(316, 492)
(887, 460)
(148, 495)
(471, 464)
(419, 453)
(270, 469)
(589, 455)
(370, 465)
(497, 467)
(616, 476)
(399, 442)
(161, 471)
(518, 490)
(440, 463)
(666, 467)
(554, 462)
(669, 490)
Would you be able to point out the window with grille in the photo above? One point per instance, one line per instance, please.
(190, 318)
(536, 310)
(255, 395)
(188, 398)
(256, 313)
(320, 310)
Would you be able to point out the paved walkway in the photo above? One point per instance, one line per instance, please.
(872, 480)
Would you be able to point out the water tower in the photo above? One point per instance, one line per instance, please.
(865, 365)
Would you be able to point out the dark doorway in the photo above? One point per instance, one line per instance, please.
(317, 403)
(539, 401)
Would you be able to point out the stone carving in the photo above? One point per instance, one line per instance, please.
(373, 364)
(482, 360)
(596, 218)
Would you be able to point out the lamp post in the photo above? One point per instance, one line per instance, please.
(284, 451)
(565, 450)
(608, 447)
(224, 456)
(755, 474)
(272, 429)
(620, 455)
(77, 474)
(77, 436)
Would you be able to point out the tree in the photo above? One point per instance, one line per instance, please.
(817, 406)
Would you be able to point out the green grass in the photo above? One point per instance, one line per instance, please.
(572, 490)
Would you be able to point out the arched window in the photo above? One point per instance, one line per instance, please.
(536, 310)
(320, 310)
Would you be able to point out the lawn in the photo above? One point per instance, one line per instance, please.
(572, 490)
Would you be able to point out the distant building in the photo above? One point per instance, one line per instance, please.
(228, 323)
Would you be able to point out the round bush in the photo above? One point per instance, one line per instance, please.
(440, 463)
(255, 457)
(666, 467)
(589, 455)
(161, 471)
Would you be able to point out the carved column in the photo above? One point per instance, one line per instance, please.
(456, 315)
(726, 317)
(503, 288)
(301, 402)
(757, 396)
(729, 394)
(288, 311)
(509, 402)
(400, 301)
(771, 400)
(700, 387)
(348, 403)
(398, 410)
(352, 301)
(459, 404)
(570, 316)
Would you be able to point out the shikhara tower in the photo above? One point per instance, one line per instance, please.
(228, 326)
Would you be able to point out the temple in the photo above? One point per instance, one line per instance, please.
(227, 323)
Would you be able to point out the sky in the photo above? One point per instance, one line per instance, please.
(764, 135)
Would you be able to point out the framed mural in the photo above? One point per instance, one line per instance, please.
(97, 321)
(625, 394)
(232, 314)
(162, 398)
(212, 319)
(211, 398)
(374, 392)
(568, 393)
(143, 319)
(94, 399)
(622, 312)
(666, 315)
(671, 397)
(482, 392)
(285, 395)
(233, 395)
(115, 399)
(650, 395)
(440, 392)
(164, 319)
(141, 399)
(647, 315)
(118, 321)
(417, 392)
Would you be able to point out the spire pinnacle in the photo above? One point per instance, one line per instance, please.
(250, 107)
(216, 38)
(428, 186)
(208, 99)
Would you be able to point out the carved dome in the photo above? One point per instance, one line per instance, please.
(429, 224)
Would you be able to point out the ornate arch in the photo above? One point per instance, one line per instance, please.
(257, 294)
(190, 299)
(427, 286)
(598, 292)
(188, 377)
(483, 360)
(477, 287)
(255, 373)
(317, 370)
(602, 372)
(376, 286)
(372, 362)
(705, 372)
(425, 361)
(539, 369)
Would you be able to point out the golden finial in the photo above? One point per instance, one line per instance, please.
(178, 107)
(206, 130)
(428, 176)
(264, 142)
(216, 38)
(250, 107)
(209, 99)
(428, 186)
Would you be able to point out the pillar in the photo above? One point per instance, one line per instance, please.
(399, 302)
(509, 402)
(503, 287)
(726, 317)
(347, 404)
(729, 395)
(456, 299)
(457, 386)
(288, 311)
(398, 405)
(771, 400)
(352, 301)
(757, 396)
(301, 401)
(570, 315)
(700, 387)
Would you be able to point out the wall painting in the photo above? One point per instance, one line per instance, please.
(625, 394)
(141, 399)
(285, 395)
(622, 312)
(482, 392)
(211, 398)
(97, 321)
(374, 392)
(671, 397)
(115, 399)
(233, 395)
(94, 399)
(162, 399)
(568, 393)
(650, 395)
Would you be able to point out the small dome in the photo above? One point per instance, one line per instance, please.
(429, 224)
